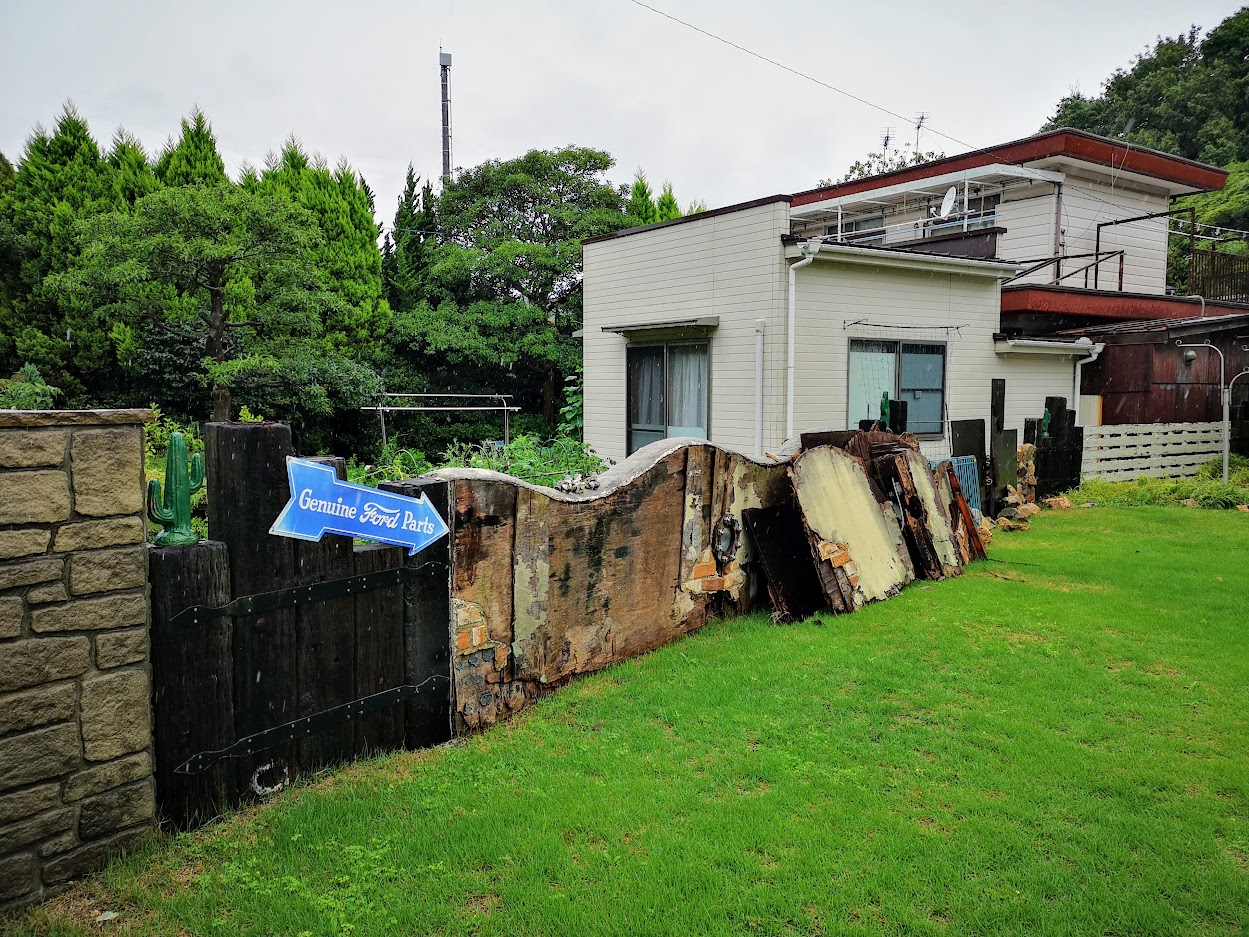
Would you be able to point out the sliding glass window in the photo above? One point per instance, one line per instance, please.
(668, 392)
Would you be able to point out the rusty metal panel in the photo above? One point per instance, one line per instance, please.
(780, 537)
(857, 544)
(615, 567)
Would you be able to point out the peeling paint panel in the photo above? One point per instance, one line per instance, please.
(840, 508)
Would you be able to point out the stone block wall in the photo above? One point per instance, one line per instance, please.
(75, 692)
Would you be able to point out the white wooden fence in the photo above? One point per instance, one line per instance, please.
(1159, 450)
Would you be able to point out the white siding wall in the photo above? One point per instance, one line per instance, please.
(1086, 203)
(728, 265)
(1030, 233)
(1028, 217)
(831, 293)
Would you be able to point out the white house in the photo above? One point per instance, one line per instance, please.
(748, 324)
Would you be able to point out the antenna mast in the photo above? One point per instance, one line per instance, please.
(444, 63)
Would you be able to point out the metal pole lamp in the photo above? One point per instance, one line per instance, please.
(1226, 394)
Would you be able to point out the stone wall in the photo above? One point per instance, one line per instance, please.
(75, 711)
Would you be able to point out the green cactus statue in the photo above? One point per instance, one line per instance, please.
(173, 510)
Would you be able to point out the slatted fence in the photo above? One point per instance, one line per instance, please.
(1157, 450)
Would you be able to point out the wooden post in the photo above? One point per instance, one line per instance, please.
(247, 488)
(325, 644)
(427, 633)
(192, 680)
(379, 649)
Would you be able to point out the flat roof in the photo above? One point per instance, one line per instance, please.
(1107, 304)
(1065, 142)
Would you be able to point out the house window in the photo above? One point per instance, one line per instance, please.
(907, 371)
(668, 392)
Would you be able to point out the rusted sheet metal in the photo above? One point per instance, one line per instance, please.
(615, 564)
(780, 536)
(925, 521)
(859, 549)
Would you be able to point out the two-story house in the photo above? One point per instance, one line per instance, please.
(750, 323)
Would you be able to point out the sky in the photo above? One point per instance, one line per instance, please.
(361, 81)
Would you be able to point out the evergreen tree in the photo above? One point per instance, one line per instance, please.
(406, 248)
(194, 159)
(347, 255)
(641, 207)
(667, 207)
(133, 176)
(236, 270)
(61, 179)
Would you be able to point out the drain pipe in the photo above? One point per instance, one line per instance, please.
(809, 250)
(759, 327)
(1094, 350)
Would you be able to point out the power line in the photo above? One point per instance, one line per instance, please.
(794, 71)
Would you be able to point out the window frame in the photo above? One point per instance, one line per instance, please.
(665, 345)
(898, 344)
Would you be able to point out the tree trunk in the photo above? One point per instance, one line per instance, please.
(550, 395)
(214, 344)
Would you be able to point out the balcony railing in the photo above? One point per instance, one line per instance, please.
(917, 229)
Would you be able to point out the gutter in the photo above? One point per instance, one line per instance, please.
(1094, 351)
(809, 251)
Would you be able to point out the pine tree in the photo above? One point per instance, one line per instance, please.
(194, 159)
(667, 207)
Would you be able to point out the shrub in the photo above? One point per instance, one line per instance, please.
(1207, 489)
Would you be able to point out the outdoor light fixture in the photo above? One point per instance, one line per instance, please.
(1224, 391)
(1190, 356)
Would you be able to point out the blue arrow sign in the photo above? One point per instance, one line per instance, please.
(321, 504)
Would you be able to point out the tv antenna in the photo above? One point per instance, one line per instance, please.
(919, 125)
(886, 134)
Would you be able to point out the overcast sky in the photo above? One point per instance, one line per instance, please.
(361, 80)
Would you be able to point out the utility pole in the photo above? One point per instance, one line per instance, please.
(444, 63)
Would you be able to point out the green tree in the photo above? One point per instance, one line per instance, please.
(407, 246)
(233, 268)
(875, 164)
(666, 206)
(194, 159)
(641, 207)
(1186, 95)
(347, 254)
(504, 280)
(61, 179)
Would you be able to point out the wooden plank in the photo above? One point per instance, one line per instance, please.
(247, 489)
(427, 633)
(325, 641)
(192, 681)
(379, 649)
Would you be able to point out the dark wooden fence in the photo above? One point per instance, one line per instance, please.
(273, 657)
(1220, 277)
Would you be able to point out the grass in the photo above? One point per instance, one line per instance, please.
(1054, 744)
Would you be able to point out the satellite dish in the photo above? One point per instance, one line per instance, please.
(947, 203)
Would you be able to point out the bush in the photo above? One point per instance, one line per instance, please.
(27, 390)
(1207, 489)
(527, 457)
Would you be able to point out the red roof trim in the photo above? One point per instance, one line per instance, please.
(1072, 301)
(1076, 143)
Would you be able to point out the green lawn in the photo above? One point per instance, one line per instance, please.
(1055, 743)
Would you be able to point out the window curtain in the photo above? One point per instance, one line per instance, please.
(687, 390)
(646, 396)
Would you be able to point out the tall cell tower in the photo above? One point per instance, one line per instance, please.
(444, 63)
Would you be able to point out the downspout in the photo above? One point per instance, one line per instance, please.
(1094, 351)
(809, 250)
(759, 327)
